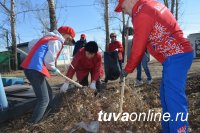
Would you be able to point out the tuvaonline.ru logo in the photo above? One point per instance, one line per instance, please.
(150, 116)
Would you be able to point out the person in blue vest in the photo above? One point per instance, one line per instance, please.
(40, 60)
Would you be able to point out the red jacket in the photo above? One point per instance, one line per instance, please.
(116, 45)
(82, 66)
(156, 29)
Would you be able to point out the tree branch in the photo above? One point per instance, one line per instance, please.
(4, 6)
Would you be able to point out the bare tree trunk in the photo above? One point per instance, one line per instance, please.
(7, 42)
(172, 6)
(52, 14)
(13, 35)
(166, 3)
(177, 6)
(106, 19)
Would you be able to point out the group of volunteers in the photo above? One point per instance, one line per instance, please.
(156, 31)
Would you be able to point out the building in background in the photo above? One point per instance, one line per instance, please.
(5, 56)
(195, 41)
(5, 61)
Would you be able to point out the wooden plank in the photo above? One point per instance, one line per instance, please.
(17, 110)
(16, 88)
(21, 107)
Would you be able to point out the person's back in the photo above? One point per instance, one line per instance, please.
(156, 28)
(166, 38)
(87, 60)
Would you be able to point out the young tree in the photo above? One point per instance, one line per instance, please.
(105, 13)
(106, 20)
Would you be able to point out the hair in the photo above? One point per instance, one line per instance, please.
(113, 34)
(91, 47)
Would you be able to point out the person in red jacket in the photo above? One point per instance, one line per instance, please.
(116, 45)
(157, 30)
(87, 60)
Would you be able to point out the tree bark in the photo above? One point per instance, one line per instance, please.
(13, 35)
(166, 3)
(106, 19)
(52, 15)
(172, 6)
(177, 6)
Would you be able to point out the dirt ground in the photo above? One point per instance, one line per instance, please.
(82, 106)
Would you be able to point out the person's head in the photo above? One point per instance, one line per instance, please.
(91, 48)
(126, 6)
(68, 34)
(113, 37)
(83, 37)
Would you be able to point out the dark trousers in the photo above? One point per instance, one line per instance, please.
(42, 91)
(85, 82)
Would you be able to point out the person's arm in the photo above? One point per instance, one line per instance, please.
(54, 48)
(143, 25)
(120, 47)
(96, 70)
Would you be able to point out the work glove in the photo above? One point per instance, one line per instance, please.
(116, 49)
(93, 85)
(56, 71)
(64, 87)
(123, 73)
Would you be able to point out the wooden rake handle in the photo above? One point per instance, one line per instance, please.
(70, 80)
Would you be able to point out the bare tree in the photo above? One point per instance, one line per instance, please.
(166, 3)
(106, 19)
(173, 5)
(52, 14)
(11, 13)
(177, 9)
(49, 9)
(104, 4)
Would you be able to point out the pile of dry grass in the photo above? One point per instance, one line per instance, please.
(82, 106)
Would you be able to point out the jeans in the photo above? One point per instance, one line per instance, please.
(172, 92)
(42, 91)
(143, 63)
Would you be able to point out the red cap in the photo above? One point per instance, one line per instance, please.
(67, 30)
(83, 36)
(118, 8)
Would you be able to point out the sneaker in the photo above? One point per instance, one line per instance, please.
(149, 81)
(138, 83)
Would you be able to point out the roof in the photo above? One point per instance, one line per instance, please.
(25, 44)
(22, 44)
